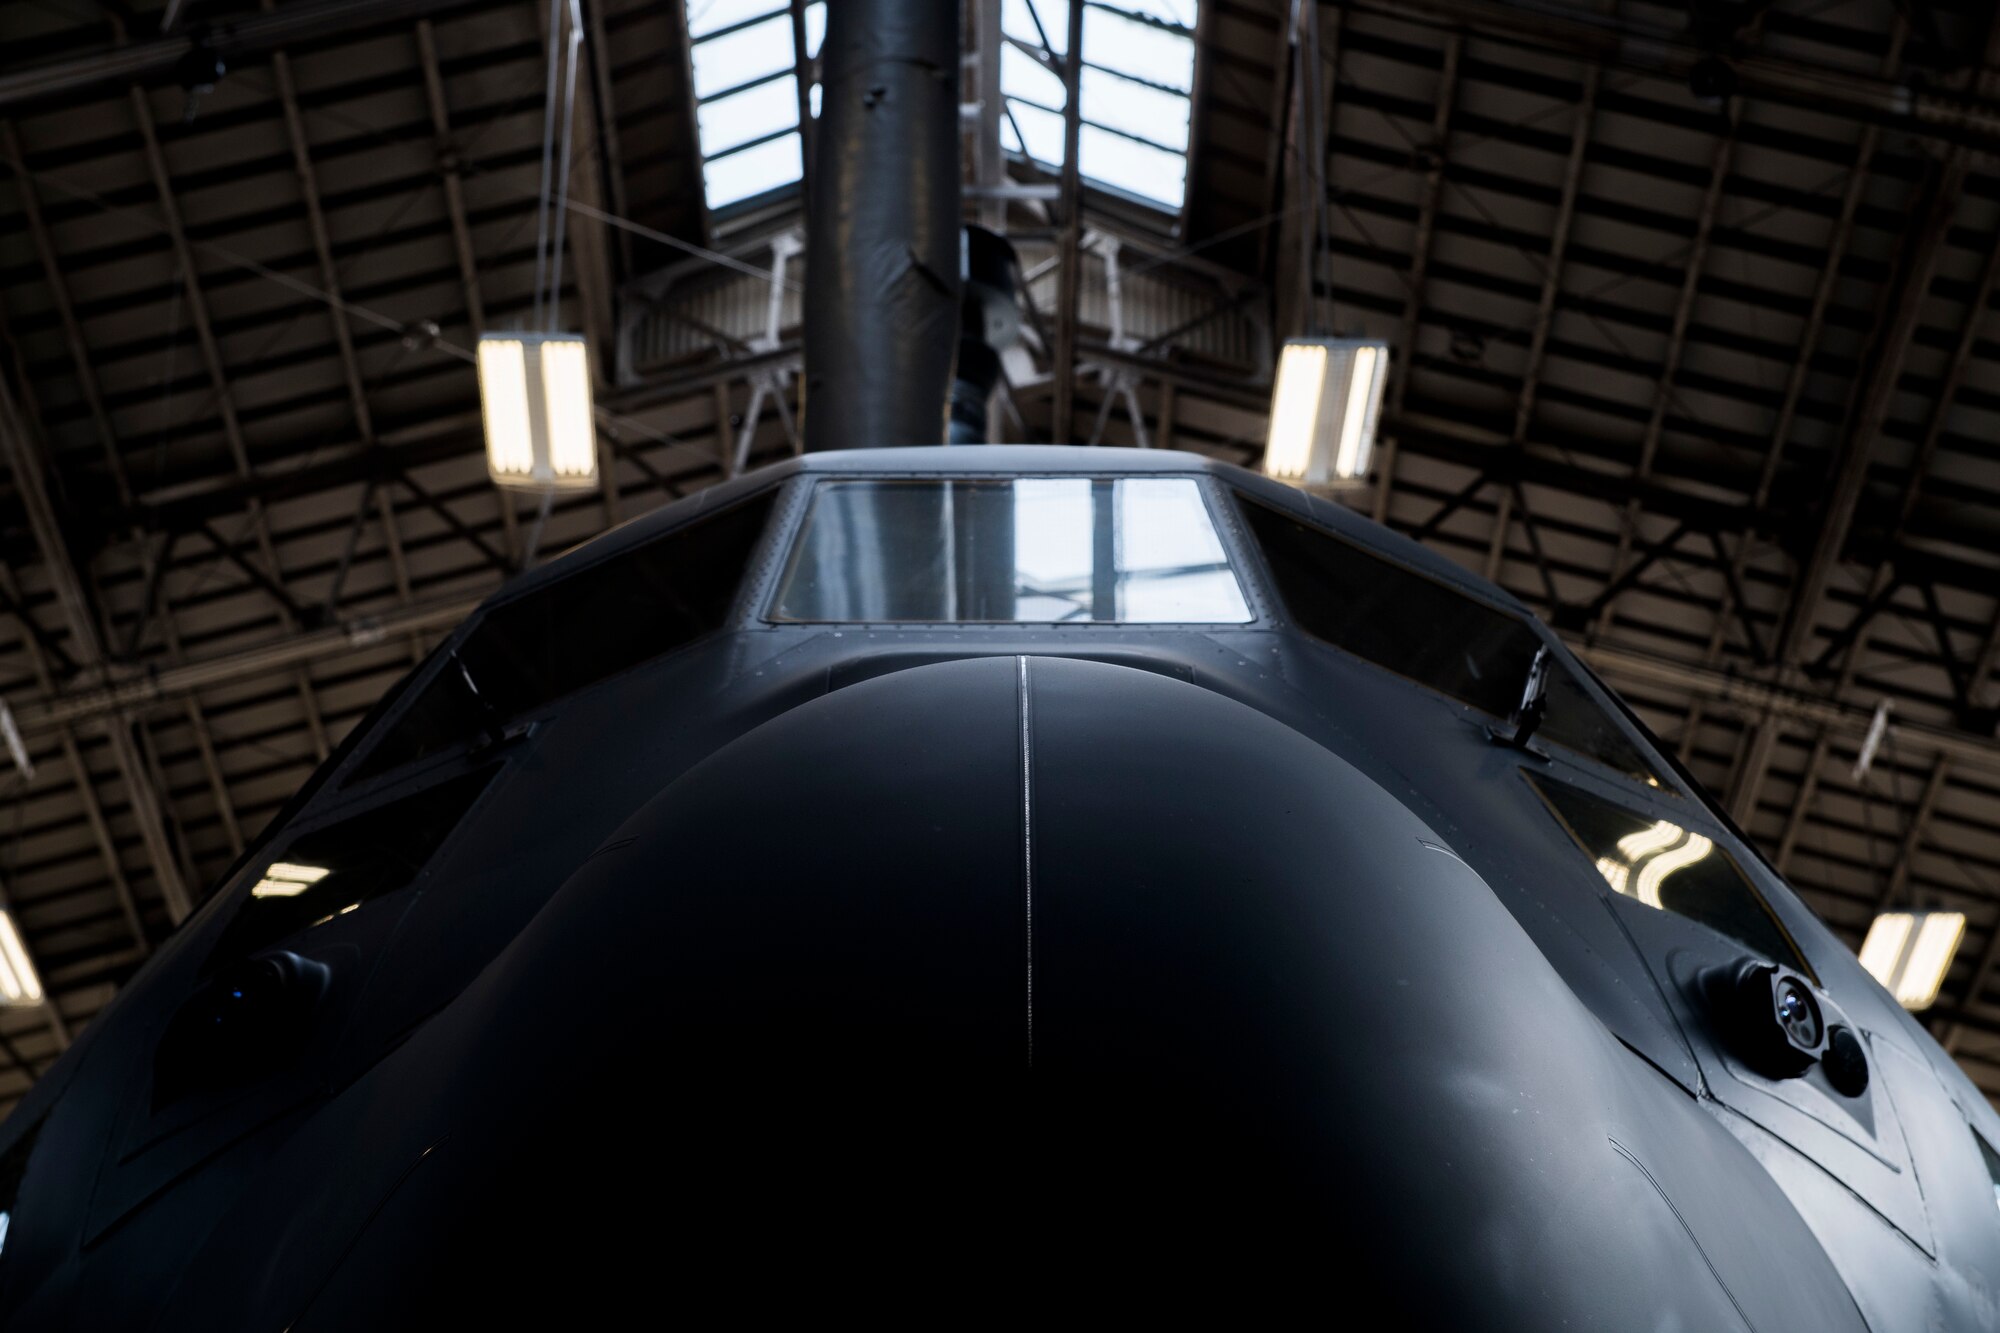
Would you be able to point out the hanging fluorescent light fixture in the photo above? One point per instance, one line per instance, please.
(1909, 952)
(20, 985)
(534, 394)
(1323, 410)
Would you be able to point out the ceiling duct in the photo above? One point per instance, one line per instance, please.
(882, 287)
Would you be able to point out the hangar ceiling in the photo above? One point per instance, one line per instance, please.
(1689, 302)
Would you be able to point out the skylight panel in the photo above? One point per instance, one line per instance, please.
(1143, 50)
(1178, 13)
(1136, 91)
(1028, 79)
(1020, 19)
(757, 112)
(1118, 103)
(746, 94)
(753, 171)
(1041, 129)
(742, 54)
(1134, 167)
(706, 17)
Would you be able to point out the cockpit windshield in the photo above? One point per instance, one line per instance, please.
(1062, 550)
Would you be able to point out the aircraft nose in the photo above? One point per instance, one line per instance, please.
(998, 976)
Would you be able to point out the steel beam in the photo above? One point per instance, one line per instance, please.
(108, 439)
(142, 114)
(1672, 53)
(1983, 290)
(204, 741)
(329, 272)
(1545, 307)
(450, 168)
(1795, 387)
(1884, 580)
(1753, 762)
(399, 566)
(238, 41)
(23, 458)
(1823, 289)
(1420, 259)
(989, 161)
(610, 153)
(1285, 73)
(1874, 402)
(1980, 675)
(1895, 889)
(1753, 698)
(86, 790)
(100, 831)
(1802, 802)
(52, 274)
(1302, 227)
(282, 654)
(1069, 272)
(1663, 388)
(590, 241)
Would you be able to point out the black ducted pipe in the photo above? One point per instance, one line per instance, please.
(882, 270)
(989, 323)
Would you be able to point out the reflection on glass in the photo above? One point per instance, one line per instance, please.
(1651, 854)
(285, 880)
(337, 868)
(1062, 550)
(1663, 865)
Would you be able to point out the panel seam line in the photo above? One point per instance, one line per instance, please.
(1028, 851)
(1693, 1239)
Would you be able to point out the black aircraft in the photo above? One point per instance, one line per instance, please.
(935, 884)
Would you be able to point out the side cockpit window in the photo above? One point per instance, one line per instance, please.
(1992, 1159)
(1428, 632)
(557, 638)
(1668, 867)
(320, 874)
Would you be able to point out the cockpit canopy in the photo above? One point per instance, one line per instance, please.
(1154, 550)
(1065, 556)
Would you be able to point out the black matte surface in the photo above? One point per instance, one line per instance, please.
(715, 1004)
